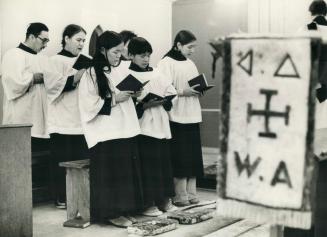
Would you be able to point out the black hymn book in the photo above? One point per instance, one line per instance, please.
(155, 97)
(82, 62)
(130, 83)
(201, 81)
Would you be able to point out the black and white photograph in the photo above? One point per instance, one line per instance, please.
(175, 118)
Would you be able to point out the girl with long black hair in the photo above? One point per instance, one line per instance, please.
(110, 126)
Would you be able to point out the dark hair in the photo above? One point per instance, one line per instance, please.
(106, 40)
(35, 29)
(318, 7)
(127, 35)
(70, 31)
(184, 37)
(139, 45)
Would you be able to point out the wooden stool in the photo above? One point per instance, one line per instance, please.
(78, 193)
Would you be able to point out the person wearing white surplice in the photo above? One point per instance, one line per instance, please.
(157, 176)
(185, 117)
(67, 141)
(110, 127)
(22, 79)
(318, 10)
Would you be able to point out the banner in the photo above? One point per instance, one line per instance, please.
(267, 130)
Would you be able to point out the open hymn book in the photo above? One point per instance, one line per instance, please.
(154, 97)
(202, 82)
(82, 62)
(130, 83)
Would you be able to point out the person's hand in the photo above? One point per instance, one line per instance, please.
(137, 93)
(123, 96)
(38, 78)
(190, 91)
(152, 103)
(78, 75)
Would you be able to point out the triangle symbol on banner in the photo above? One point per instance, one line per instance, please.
(287, 68)
(246, 62)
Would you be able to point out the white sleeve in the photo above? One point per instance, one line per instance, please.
(165, 68)
(55, 78)
(16, 77)
(169, 88)
(90, 103)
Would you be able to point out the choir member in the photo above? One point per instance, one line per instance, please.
(110, 126)
(67, 141)
(185, 117)
(24, 99)
(158, 184)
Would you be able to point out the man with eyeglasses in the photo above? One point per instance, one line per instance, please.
(22, 79)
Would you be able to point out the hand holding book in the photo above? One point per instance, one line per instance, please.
(199, 83)
(137, 93)
(130, 83)
(123, 96)
(191, 91)
(152, 96)
(152, 100)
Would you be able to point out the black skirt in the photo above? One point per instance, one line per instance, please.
(115, 179)
(320, 215)
(186, 152)
(64, 148)
(157, 176)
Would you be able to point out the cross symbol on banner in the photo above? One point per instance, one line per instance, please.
(267, 113)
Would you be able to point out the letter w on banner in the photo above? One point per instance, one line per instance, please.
(267, 130)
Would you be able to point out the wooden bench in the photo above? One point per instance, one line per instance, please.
(78, 193)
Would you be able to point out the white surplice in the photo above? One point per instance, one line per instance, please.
(122, 121)
(23, 102)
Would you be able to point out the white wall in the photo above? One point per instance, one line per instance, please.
(150, 19)
(277, 16)
(208, 19)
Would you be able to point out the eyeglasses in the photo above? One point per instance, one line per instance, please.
(44, 40)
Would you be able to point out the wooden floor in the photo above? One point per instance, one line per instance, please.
(47, 222)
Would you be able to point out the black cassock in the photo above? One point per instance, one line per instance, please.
(115, 179)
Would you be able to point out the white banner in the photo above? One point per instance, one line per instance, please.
(268, 111)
